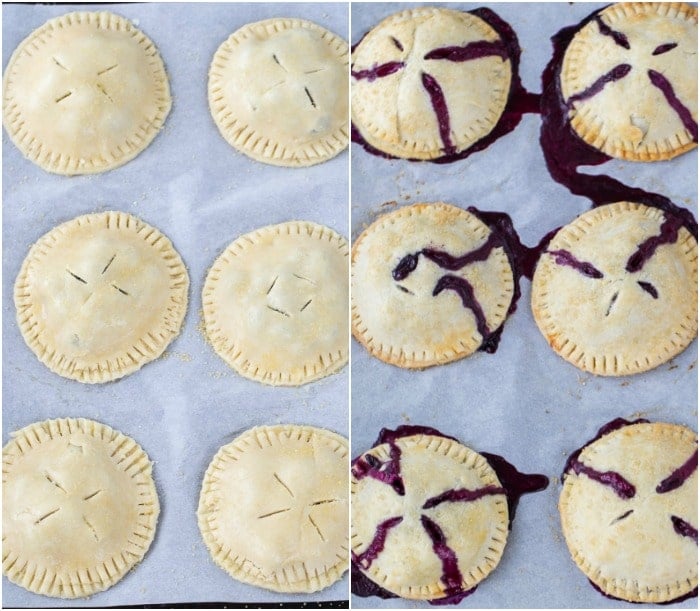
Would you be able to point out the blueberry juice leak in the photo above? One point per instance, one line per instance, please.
(513, 484)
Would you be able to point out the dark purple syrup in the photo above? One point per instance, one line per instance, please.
(678, 477)
(513, 484)
(564, 257)
(519, 100)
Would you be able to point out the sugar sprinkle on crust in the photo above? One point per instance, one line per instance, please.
(79, 507)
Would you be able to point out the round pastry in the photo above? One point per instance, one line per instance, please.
(85, 93)
(629, 80)
(100, 296)
(430, 284)
(273, 509)
(79, 507)
(429, 517)
(615, 293)
(278, 92)
(428, 83)
(629, 510)
(276, 303)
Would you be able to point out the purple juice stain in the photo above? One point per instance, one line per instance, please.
(522, 259)
(684, 529)
(513, 484)
(665, 48)
(462, 494)
(437, 99)
(451, 575)
(565, 258)
(378, 71)
(668, 234)
(678, 477)
(649, 288)
(465, 291)
(376, 546)
(519, 101)
(661, 82)
(386, 472)
(617, 73)
(473, 50)
(565, 151)
(619, 37)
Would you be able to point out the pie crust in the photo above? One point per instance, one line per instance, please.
(452, 505)
(612, 316)
(429, 82)
(629, 79)
(416, 321)
(85, 93)
(635, 544)
(100, 296)
(79, 507)
(278, 92)
(276, 303)
(273, 510)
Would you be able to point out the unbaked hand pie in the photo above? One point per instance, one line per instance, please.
(615, 292)
(629, 80)
(430, 284)
(629, 511)
(276, 303)
(273, 510)
(428, 83)
(100, 296)
(85, 93)
(278, 92)
(429, 517)
(79, 507)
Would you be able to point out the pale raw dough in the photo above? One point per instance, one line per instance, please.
(79, 507)
(630, 117)
(276, 303)
(85, 93)
(392, 104)
(100, 296)
(628, 546)
(611, 325)
(475, 531)
(402, 322)
(278, 92)
(273, 509)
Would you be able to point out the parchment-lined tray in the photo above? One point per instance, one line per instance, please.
(523, 402)
(202, 194)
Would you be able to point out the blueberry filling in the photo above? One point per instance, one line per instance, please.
(661, 82)
(678, 477)
(564, 257)
(513, 484)
(684, 529)
(617, 73)
(378, 71)
(665, 48)
(619, 38)
(649, 288)
(472, 50)
(437, 99)
(668, 234)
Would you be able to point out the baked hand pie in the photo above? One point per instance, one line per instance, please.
(276, 303)
(430, 284)
(412, 498)
(615, 292)
(273, 510)
(79, 507)
(629, 511)
(85, 93)
(278, 92)
(629, 80)
(100, 296)
(428, 83)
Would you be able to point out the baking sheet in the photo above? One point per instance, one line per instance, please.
(523, 402)
(201, 193)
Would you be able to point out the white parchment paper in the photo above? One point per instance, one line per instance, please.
(523, 402)
(202, 194)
